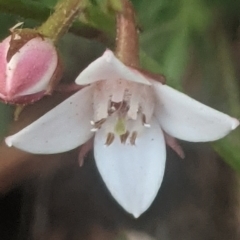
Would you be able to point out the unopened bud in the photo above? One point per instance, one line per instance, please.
(29, 67)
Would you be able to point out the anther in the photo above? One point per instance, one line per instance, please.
(110, 139)
(133, 138)
(123, 137)
(114, 107)
(98, 124)
(144, 122)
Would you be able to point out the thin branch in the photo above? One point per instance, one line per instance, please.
(65, 13)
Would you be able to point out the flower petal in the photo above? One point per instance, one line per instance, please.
(108, 67)
(4, 46)
(187, 119)
(132, 173)
(31, 68)
(63, 128)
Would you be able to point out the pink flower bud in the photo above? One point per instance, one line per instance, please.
(29, 67)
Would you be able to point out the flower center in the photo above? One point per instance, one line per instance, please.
(123, 109)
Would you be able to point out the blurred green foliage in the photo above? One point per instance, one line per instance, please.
(5, 115)
(190, 41)
(7, 21)
(197, 36)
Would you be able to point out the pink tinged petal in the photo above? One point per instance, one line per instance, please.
(147, 102)
(141, 100)
(31, 68)
(84, 149)
(101, 100)
(108, 67)
(118, 90)
(106, 92)
(185, 118)
(4, 46)
(132, 173)
(63, 128)
(174, 145)
(134, 102)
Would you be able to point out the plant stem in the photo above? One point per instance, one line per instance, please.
(59, 22)
(38, 12)
(127, 45)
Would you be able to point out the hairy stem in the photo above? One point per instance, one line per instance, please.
(59, 22)
(39, 12)
(127, 46)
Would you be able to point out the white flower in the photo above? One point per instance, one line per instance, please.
(127, 112)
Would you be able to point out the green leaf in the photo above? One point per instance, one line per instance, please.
(50, 3)
(176, 59)
(95, 18)
(228, 148)
(5, 113)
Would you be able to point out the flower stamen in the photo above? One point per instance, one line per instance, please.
(133, 138)
(110, 139)
(124, 137)
(144, 122)
(97, 125)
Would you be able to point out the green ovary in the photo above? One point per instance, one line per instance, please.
(120, 127)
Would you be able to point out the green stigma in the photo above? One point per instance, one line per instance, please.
(120, 128)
